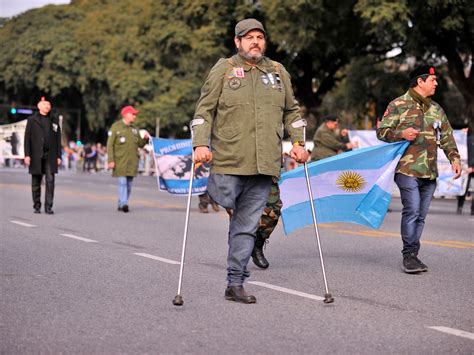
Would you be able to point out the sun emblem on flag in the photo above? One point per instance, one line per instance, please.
(350, 181)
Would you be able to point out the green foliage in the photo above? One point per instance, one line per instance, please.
(152, 54)
(319, 39)
(99, 55)
(433, 31)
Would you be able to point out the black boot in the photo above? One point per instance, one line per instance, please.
(257, 254)
(238, 294)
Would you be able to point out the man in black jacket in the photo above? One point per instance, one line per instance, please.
(42, 153)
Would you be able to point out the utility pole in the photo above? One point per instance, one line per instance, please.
(157, 127)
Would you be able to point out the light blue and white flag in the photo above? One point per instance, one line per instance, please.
(351, 187)
(173, 158)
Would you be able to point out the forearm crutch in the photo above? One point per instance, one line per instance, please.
(327, 297)
(178, 299)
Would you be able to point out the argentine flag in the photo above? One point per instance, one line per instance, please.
(353, 187)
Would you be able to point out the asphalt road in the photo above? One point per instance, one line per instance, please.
(90, 279)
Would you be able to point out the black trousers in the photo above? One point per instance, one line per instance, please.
(36, 186)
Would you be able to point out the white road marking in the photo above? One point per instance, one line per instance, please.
(149, 256)
(452, 331)
(23, 224)
(72, 236)
(287, 290)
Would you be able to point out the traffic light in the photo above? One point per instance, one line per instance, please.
(13, 109)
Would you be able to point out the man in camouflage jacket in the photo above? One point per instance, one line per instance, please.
(418, 119)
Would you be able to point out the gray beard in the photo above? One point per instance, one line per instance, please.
(251, 58)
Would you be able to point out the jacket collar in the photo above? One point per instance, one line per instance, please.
(424, 102)
(38, 117)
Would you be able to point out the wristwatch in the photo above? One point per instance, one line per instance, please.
(300, 143)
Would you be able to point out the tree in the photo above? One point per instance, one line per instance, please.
(101, 56)
(432, 31)
(319, 38)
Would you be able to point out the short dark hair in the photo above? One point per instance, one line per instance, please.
(330, 118)
(414, 81)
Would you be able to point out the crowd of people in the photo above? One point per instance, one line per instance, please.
(92, 158)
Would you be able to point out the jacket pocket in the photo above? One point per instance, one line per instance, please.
(278, 97)
(233, 96)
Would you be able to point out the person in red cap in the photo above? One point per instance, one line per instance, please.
(122, 148)
(42, 153)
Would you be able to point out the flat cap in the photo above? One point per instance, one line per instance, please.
(247, 25)
(422, 70)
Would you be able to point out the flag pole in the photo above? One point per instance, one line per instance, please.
(157, 173)
(327, 297)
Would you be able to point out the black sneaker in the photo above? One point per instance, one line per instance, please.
(411, 264)
(423, 266)
(125, 208)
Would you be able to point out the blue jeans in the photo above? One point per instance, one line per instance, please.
(416, 197)
(247, 196)
(124, 189)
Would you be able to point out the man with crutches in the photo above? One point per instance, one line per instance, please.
(246, 102)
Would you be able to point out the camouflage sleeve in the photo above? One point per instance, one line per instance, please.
(207, 104)
(447, 142)
(292, 109)
(388, 129)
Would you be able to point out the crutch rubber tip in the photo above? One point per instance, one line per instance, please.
(178, 300)
(328, 298)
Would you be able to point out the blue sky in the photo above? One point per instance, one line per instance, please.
(9, 8)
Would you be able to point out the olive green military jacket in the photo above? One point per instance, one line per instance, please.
(420, 158)
(326, 143)
(245, 109)
(122, 148)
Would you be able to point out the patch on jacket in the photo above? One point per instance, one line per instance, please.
(234, 83)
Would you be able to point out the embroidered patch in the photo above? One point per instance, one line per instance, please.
(265, 80)
(234, 83)
(239, 72)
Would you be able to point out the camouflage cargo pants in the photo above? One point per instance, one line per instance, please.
(271, 212)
